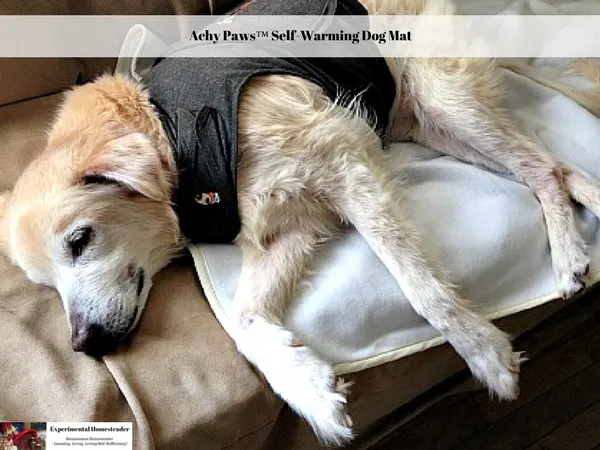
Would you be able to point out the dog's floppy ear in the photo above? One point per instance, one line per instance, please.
(4, 197)
(132, 162)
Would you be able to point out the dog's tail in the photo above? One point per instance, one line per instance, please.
(588, 68)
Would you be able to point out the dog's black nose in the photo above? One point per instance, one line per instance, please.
(93, 340)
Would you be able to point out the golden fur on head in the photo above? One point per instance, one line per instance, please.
(82, 213)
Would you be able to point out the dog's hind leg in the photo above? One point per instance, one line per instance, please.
(457, 104)
(308, 148)
(372, 210)
(358, 190)
(583, 189)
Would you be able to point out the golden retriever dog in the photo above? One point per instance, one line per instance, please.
(94, 216)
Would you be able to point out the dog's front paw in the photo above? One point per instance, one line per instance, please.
(300, 377)
(493, 362)
(309, 385)
(322, 402)
(502, 375)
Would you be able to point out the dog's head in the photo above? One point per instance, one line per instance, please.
(91, 216)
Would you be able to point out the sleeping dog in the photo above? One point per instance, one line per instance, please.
(274, 159)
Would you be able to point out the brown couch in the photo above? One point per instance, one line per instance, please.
(180, 379)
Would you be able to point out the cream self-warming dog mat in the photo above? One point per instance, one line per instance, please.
(487, 231)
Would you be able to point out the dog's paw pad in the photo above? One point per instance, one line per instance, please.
(571, 284)
(572, 267)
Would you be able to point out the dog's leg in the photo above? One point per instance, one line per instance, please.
(322, 149)
(583, 189)
(455, 109)
(368, 204)
(295, 372)
(360, 192)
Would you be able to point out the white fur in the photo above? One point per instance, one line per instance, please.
(316, 394)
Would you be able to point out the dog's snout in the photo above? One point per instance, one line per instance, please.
(92, 339)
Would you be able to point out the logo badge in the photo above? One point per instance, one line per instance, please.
(208, 198)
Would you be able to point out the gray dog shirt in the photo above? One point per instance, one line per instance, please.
(197, 100)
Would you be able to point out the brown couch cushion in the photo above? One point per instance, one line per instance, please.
(31, 77)
(23, 129)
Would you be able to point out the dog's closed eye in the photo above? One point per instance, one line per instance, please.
(79, 240)
(97, 178)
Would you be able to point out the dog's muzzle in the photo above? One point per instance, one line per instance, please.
(93, 340)
(96, 340)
